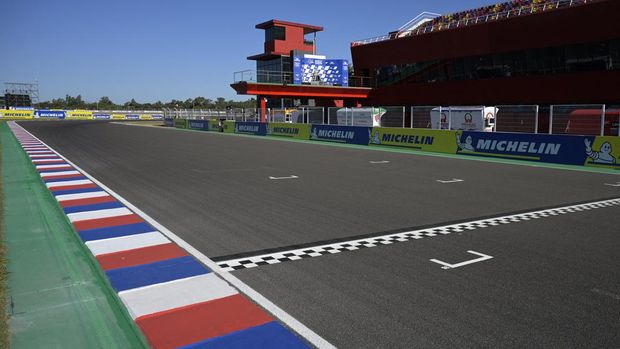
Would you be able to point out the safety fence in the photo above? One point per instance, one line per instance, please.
(596, 120)
(82, 114)
(581, 150)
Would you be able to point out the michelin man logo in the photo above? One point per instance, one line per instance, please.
(467, 146)
(603, 156)
(313, 134)
(236, 128)
(374, 139)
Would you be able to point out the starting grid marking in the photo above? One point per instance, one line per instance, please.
(388, 239)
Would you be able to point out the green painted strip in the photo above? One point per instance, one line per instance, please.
(402, 150)
(59, 298)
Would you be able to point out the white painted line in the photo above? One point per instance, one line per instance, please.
(453, 180)
(288, 177)
(379, 162)
(483, 257)
(35, 148)
(258, 298)
(94, 194)
(36, 156)
(110, 212)
(38, 161)
(59, 173)
(170, 295)
(39, 152)
(50, 167)
(613, 185)
(124, 243)
(68, 183)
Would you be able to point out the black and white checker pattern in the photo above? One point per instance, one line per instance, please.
(316, 251)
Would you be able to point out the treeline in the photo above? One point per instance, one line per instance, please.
(105, 103)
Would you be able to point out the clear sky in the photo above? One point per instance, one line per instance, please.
(160, 50)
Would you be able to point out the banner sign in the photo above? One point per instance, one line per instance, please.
(169, 122)
(157, 117)
(146, 117)
(80, 114)
(415, 138)
(251, 128)
(198, 125)
(17, 114)
(118, 116)
(299, 131)
(341, 134)
(180, 123)
(132, 117)
(101, 116)
(229, 126)
(45, 113)
(323, 71)
(604, 152)
(559, 149)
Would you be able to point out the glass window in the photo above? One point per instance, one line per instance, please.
(275, 33)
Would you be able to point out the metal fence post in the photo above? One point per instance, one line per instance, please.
(536, 120)
(551, 119)
(603, 121)
(449, 118)
(411, 116)
(403, 117)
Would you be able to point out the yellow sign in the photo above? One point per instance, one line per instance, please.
(17, 114)
(146, 117)
(603, 152)
(118, 116)
(80, 114)
(441, 141)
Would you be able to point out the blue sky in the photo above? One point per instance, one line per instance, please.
(160, 50)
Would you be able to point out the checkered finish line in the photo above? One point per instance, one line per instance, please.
(388, 239)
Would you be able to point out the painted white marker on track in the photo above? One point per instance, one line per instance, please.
(617, 184)
(287, 177)
(379, 162)
(453, 180)
(483, 257)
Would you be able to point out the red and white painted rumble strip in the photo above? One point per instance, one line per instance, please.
(124, 243)
(156, 298)
(154, 305)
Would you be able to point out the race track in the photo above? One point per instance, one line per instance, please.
(553, 280)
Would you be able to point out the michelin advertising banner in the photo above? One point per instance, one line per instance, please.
(132, 117)
(558, 149)
(180, 123)
(202, 125)
(102, 116)
(282, 129)
(603, 152)
(341, 134)
(17, 114)
(251, 128)
(80, 114)
(422, 139)
(54, 114)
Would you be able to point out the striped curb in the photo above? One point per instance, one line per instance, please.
(175, 300)
(388, 239)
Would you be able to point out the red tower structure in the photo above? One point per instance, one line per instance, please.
(273, 82)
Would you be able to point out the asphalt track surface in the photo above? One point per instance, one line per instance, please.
(552, 282)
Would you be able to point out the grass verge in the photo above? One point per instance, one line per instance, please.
(4, 321)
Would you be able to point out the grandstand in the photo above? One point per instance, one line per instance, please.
(422, 24)
(20, 95)
(519, 52)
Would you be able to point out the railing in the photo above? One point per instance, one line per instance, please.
(271, 77)
(593, 120)
(494, 16)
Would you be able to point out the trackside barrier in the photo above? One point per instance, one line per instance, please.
(169, 122)
(17, 114)
(283, 129)
(50, 113)
(180, 123)
(594, 151)
(251, 128)
(202, 125)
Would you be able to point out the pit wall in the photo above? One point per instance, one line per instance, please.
(591, 151)
(75, 115)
